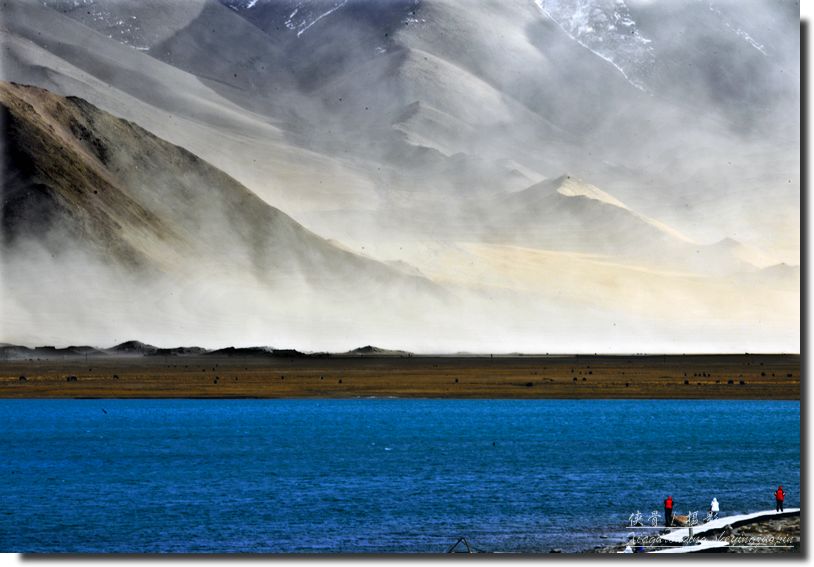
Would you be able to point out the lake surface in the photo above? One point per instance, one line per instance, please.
(376, 475)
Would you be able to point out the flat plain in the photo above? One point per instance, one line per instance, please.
(746, 376)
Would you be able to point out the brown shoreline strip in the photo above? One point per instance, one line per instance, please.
(736, 377)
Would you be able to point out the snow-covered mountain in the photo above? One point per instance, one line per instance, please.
(607, 29)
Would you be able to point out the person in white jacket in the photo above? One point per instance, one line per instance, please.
(714, 508)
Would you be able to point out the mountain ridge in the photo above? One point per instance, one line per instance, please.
(65, 158)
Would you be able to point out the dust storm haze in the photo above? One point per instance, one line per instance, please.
(428, 175)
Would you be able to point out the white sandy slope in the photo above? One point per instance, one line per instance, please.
(611, 303)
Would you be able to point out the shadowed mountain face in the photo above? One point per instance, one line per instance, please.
(77, 177)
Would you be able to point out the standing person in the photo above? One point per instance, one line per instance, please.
(668, 511)
(714, 508)
(779, 496)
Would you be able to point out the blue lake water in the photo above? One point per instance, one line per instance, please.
(376, 475)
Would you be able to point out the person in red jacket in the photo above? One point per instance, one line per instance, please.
(668, 511)
(779, 495)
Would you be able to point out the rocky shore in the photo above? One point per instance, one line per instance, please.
(783, 531)
(774, 535)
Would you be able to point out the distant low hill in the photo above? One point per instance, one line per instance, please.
(138, 348)
(18, 352)
(134, 348)
(181, 351)
(257, 352)
(373, 351)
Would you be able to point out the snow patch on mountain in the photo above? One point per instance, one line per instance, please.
(607, 29)
(304, 16)
(737, 30)
(105, 18)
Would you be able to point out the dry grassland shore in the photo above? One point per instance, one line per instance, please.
(208, 376)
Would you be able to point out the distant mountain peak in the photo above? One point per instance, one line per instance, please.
(571, 186)
(568, 185)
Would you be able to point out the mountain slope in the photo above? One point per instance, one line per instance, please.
(77, 177)
(57, 49)
(438, 96)
(566, 210)
(568, 214)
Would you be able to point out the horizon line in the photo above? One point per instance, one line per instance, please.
(397, 351)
